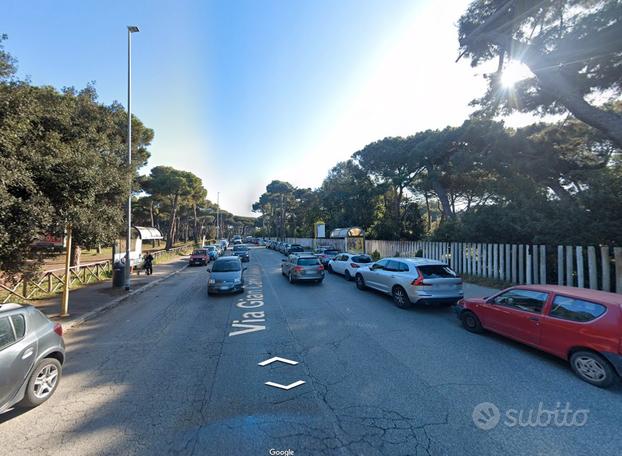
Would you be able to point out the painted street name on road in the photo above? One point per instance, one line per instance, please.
(253, 319)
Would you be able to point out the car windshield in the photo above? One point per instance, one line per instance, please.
(211, 248)
(238, 248)
(436, 271)
(226, 266)
(331, 252)
(199, 252)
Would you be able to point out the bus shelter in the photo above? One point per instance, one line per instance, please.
(354, 238)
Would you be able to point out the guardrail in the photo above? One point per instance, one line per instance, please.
(49, 282)
(52, 281)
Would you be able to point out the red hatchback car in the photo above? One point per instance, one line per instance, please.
(579, 325)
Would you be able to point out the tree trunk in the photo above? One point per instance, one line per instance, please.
(552, 79)
(171, 228)
(151, 213)
(76, 252)
(427, 209)
(441, 193)
(195, 233)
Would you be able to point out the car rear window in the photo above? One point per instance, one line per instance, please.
(361, 259)
(331, 252)
(308, 261)
(436, 271)
(576, 309)
(226, 266)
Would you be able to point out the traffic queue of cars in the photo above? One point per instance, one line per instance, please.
(581, 326)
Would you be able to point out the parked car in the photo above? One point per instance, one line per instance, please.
(284, 247)
(226, 276)
(348, 263)
(302, 267)
(32, 353)
(294, 248)
(212, 251)
(325, 254)
(199, 256)
(412, 281)
(242, 251)
(581, 326)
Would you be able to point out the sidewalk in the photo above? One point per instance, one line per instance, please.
(86, 302)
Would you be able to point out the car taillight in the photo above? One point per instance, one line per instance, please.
(298, 268)
(418, 282)
(354, 265)
(58, 329)
(320, 268)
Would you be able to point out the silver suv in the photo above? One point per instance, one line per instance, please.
(302, 267)
(32, 353)
(412, 281)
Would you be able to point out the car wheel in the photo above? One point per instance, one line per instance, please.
(592, 368)
(347, 275)
(470, 322)
(290, 278)
(400, 298)
(42, 383)
(360, 282)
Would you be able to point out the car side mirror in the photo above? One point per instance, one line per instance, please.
(209, 269)
(244, 269)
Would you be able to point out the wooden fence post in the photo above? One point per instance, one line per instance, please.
(543, 278)
(535, 263)
(591, 267)
(529, 266)
(514, 264)
(502, 262)
(605, 262)
(508, 263)
(560, 265)
(495, 261)
(580, 268)
(521, 263)
(569, 266)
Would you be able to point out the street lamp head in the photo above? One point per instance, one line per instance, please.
(132, 29)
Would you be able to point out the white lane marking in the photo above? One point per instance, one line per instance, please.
(286, 387)
(276, 358)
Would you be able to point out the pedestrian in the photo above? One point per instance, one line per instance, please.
(149, 264)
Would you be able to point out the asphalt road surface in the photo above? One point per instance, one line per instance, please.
(173, 371)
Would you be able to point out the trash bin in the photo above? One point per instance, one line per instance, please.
(118, 276)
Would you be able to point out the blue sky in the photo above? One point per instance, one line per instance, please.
(243, 92)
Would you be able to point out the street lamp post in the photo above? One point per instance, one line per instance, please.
(130, 29)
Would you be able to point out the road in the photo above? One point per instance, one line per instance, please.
(162, 374)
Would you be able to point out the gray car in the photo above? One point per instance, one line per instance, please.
(32, 353)
(242, 251)
(412, 281)
(226, 276)
(302, 267)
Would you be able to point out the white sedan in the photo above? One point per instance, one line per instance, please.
(348, 263)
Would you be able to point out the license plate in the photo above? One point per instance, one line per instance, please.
(444, 286)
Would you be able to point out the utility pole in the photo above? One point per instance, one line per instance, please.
(128, 264)
(218, 216)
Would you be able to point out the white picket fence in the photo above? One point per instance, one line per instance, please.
(595, 267)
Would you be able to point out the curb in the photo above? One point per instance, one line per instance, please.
(115, 302)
